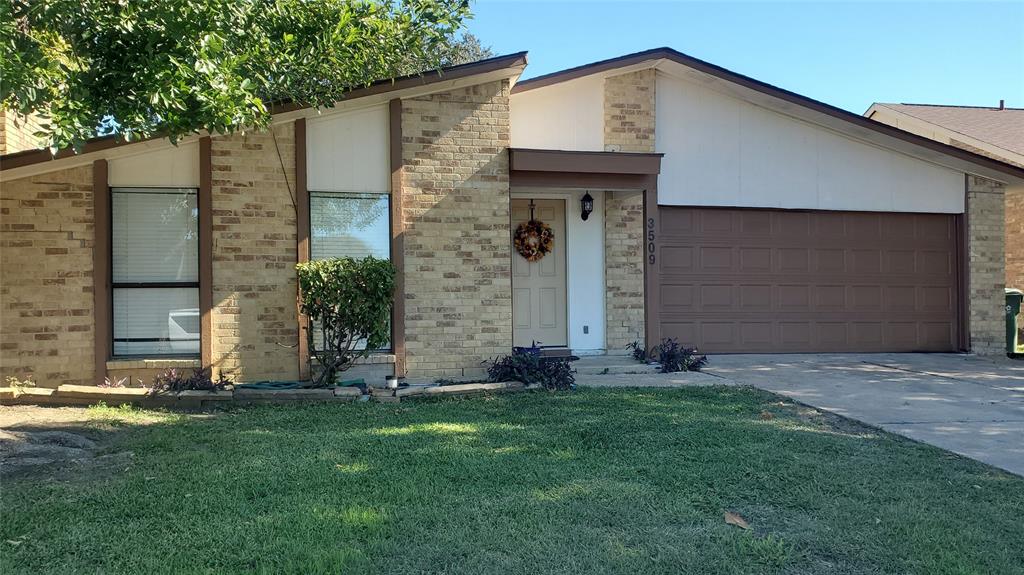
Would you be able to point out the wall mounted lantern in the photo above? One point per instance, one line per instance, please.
(586, 206)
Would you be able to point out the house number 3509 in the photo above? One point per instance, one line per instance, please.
(650, 241)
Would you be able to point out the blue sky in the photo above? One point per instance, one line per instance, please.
(846, 54)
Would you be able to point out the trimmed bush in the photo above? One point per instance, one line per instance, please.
(349, 302)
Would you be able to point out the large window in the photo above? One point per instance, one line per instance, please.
(349, 225)
(155, 268)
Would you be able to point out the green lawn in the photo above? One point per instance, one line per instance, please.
(619, 481)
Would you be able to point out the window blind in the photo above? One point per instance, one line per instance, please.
(155, 269)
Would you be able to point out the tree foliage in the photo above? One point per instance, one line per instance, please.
(173, 67)
(349, 302)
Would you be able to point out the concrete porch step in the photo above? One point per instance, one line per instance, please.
(611, 365)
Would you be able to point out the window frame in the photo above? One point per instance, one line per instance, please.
(390, 349)
(152, 285)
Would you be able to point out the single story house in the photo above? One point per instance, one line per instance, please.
(684, 200)
(996, 132)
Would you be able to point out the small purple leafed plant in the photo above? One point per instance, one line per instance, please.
(173, 381)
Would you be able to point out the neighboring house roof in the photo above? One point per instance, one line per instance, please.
(439, 79)
(1001, 127)
(782, 100)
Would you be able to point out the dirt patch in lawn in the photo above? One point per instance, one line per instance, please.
(57, 443)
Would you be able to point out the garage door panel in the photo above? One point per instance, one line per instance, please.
(717, 297)
(754, 223)
(794, 297)
(755, 259)
(831, 260)
(676, 259)
(794, 260)
(787, 281)
(795, 333)
(934, 262)
(866, 261)
(716, 258)
(901, 298)
(832, 335)
(756, 298)
(758, 336)
(678, 298)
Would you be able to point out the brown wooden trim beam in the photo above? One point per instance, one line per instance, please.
(522, 179)
(652, 265)
(964, 270)
(532, 160)
(206, 251)
(397, 236)
(302, 235)
(101, 269)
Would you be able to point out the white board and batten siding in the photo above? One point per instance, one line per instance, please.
(722, 151)
(564, 116)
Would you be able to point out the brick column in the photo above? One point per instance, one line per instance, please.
(254, 255)
(986, 265)
(455, 212)
(629, 120)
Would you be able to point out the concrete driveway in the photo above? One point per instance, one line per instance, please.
(966, 404)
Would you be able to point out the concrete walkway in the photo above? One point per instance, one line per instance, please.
(966, 404)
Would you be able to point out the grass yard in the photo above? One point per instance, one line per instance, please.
(595, 481)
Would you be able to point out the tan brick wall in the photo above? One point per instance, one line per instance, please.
(254, 255)
(17, 133)
(629, 112)
(46, 299)
(1015, 237)
(624, 272)
(629, 116)
(985, 246)
(455, 213)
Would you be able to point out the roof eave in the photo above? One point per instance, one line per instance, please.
(510, 66)
(990, 168)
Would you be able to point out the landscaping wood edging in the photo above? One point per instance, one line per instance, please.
(90, 395)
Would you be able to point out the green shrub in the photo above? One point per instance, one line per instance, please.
(527, 366)
(349, 302)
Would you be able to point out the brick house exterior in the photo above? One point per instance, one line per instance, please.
(444, 155)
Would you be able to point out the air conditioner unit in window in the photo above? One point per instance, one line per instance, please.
(183, 329)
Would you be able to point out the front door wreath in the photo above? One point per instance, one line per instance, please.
(533, 240)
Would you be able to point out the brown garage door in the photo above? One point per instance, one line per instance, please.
(745, 280)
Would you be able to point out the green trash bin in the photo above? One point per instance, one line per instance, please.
(1013, 300)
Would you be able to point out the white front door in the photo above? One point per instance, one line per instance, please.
(538, 288)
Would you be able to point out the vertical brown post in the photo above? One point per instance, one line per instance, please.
(206, 251)
(963, 271)
(302, 234)
(101, 266)
(652, 267)
(397, 237)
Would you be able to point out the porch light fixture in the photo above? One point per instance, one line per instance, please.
(586, 206)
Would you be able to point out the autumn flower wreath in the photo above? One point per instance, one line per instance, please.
(533, 240)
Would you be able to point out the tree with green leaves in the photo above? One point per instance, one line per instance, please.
(141, 68)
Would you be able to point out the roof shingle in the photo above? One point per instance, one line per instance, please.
(1003, 128)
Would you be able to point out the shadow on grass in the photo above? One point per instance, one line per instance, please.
(599, 480)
